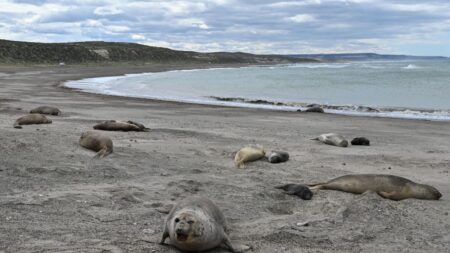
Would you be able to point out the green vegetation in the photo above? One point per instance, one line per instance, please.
(14, 52)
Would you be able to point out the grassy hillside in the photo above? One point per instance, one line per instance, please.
(14, 52)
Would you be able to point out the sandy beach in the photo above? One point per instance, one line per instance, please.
(55, 198)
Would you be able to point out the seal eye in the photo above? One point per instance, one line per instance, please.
(177, 220)
(190, 222)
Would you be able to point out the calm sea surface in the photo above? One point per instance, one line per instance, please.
(403, 89)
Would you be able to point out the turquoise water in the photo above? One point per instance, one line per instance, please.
(419, 89)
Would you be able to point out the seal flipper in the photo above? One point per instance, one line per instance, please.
(227, 242)
(102, 153)
(16, 125)
(281, 186)
(164, 236)
(389, 195)
(316, 186)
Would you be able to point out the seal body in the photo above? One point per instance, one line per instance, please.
(98, 142)
(31, 119)
(196, 224)
(300, 190)
(46, 110)
(315, 109)
(113, 125)
(361, 141)
(248, 154)
(387, 186)
(333, 139)
(278, 157)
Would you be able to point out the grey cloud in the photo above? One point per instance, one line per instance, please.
(321, 24)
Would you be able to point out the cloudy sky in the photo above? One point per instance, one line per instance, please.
(256, 26)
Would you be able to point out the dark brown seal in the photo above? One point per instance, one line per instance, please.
(46, 110)
(98, 142)
(299, 190)
(363, 141)
(387, 186)
(31, 119)
(196, 224)
(113, 125)
(278, 157)
(315, 109)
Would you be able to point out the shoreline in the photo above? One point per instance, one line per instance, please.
(55, 198)
(357, 110)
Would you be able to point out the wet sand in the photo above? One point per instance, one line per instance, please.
(55, 198)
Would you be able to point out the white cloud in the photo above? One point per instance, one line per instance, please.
(302, 18)
(107, 10)
(266, 26)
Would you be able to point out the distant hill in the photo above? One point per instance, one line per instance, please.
(15, 52)
(366, 57)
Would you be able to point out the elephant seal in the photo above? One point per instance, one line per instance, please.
(98, 142)
(300, 190)
(196, 224)
(31, 119)
(46, 110)
(332, 139)
(248, 154)
(361, 141)
(387, 186)
(315, 109)
(278, 157)
(113, 125)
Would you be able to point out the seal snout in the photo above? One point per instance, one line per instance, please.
(181, 236)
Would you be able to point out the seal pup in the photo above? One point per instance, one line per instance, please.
(387, 186)
(98, 142)
(196, 224)
(248, 154)
(113, 125)
(300, 190)
(361, 141)
(31, 119)
(46, 110)
(332, 139)
(278, 157)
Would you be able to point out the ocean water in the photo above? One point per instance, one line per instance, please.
(400, 89)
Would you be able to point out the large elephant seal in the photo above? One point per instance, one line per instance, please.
(31, 119)
(98, 142)
(46, 110)
(387, 186)
(278, 157)
(299, 190)
(113, 125)
(315, 109)
(332, 139)
(248, 154)
(196, 224)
